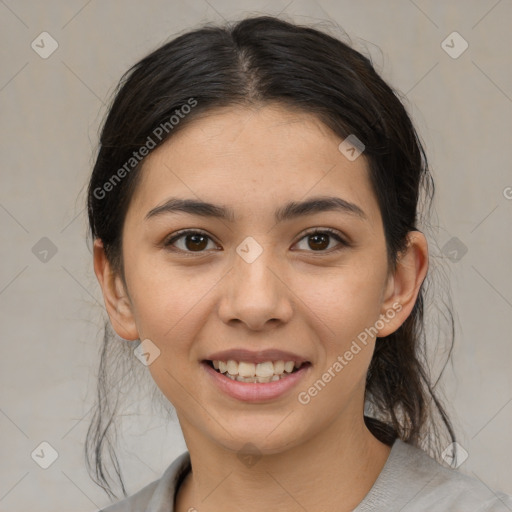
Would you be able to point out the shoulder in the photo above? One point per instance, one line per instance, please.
(135, 502)
(157, 495)
(451, 488)
(419, 483)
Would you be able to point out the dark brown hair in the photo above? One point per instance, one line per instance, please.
(254, 62)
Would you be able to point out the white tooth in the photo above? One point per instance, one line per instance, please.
(230, 376)
(274, 378)
(239, 378)
(298, 365)
(223, 367)
(278, 367)
(265, 369)
(215, 364)
(288, 366)
(246, 369)
(263, 379)
(232, 367)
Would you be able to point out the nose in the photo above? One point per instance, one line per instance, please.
(256, 294)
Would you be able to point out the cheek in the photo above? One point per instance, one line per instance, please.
(346, 300)
(169, 311)
(345, 308)
(162, 298)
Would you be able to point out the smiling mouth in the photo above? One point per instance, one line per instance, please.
(269, 371)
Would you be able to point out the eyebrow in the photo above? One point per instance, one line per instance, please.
(289, 211)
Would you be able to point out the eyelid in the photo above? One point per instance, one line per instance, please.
(330, 231)
(183, 232)
(343, 242)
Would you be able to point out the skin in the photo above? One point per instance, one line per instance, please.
(310, 301)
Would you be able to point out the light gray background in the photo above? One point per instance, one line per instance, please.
(51, 311)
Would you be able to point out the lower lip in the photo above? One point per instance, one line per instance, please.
(258, 391)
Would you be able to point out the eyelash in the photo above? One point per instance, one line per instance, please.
(331, 232)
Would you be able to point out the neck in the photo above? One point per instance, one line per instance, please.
(331, 471)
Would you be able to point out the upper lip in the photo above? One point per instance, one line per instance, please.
(260, 356)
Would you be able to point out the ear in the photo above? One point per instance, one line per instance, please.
(404, 283)
(116, 299)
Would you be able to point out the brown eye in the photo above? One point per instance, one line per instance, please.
(319, 240)
(193, 241)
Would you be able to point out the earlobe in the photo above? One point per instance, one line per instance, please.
(117, 301)
(404, 284)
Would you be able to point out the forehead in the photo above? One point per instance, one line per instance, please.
(252, 160)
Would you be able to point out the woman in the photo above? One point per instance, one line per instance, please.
(254, 211)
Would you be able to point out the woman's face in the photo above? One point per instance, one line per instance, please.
(256, 282)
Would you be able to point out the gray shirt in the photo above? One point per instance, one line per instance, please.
(410, 481)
